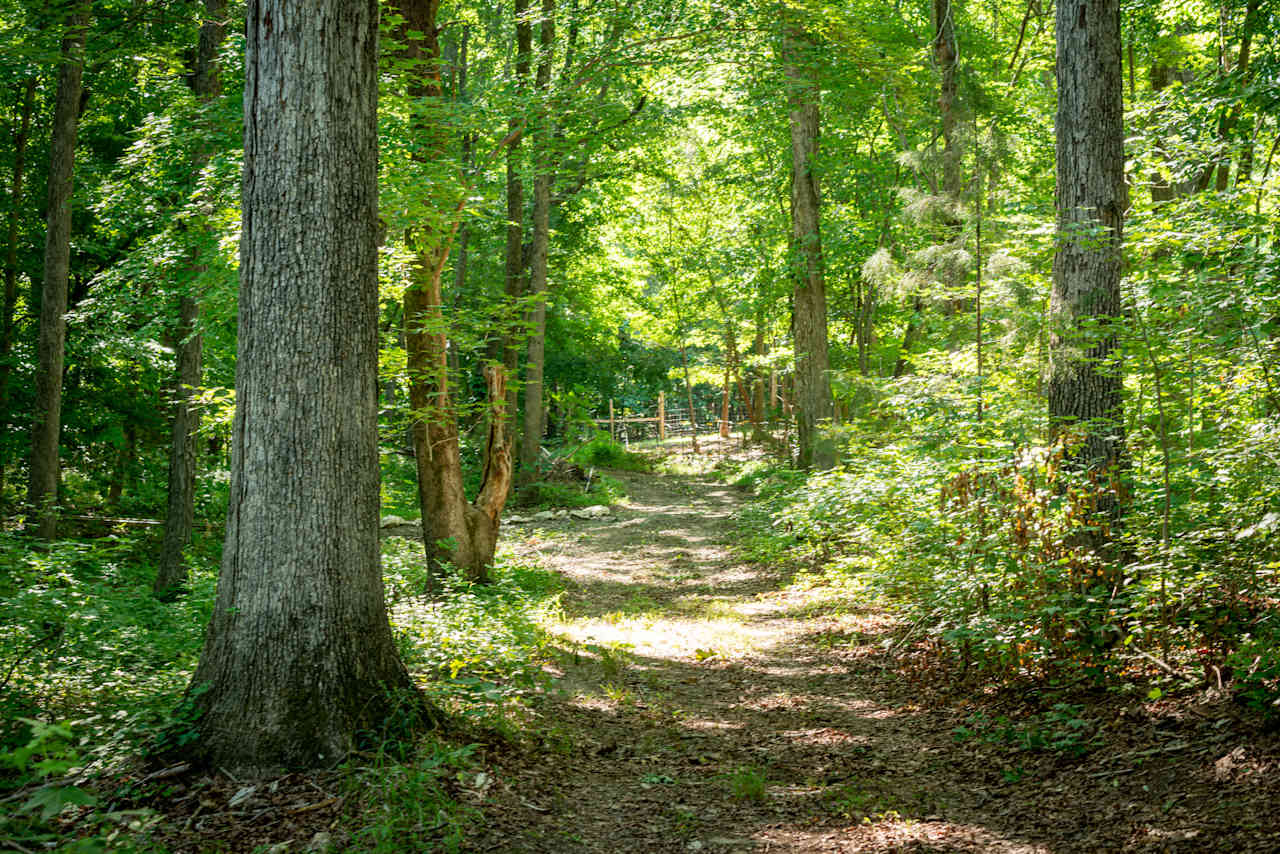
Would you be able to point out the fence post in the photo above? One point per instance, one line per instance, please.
(662, 416)
(612, 429)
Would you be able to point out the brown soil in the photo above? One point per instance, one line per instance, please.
(704, 704)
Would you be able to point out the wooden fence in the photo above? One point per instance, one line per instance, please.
(666, 423)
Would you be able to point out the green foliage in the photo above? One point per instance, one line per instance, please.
(604, 452)
(400, 803)
(983, 549)
(555, 494)
(1059, 730)
(480, 647)
(46, 760)
(85, 634)
(748, 784)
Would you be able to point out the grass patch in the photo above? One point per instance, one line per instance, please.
(748, 784)
(412, 804)
(556, 494)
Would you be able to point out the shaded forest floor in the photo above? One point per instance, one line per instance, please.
(708, 704)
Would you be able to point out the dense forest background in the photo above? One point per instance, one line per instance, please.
(606, 196)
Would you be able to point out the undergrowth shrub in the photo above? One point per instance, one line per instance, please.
(400, 803)
(603, 452)
(601, 489)
(83, 635)
(480, 647)
(987, 550)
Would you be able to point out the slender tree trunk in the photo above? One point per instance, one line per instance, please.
(299, 655)
(759, 403)
(813, 388)
(1084, 386)
(909, 336)
(945, 55)
(1227, 131)
(172, 574)
(534, 413)
(9, 317)
(122, 473)
(724, 402)
(42, 485)
(688, 391)
(515, 250)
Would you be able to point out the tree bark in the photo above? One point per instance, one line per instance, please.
(42, 484)
(299, 655)
(463, 534)
(813, 388)
(945, 55)
(513, 281)
(534, 414)
(1084, 386)
(8, 319)
(179, 520)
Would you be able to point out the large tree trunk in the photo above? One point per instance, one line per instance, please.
(534, 413)
(171, 574)
(8, 318)
(1084, 387)
(42, 484)
(813, 387)
(299, 655)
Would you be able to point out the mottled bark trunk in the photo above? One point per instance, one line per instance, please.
(8, 319)
(813, 388)
(1084, 385)
(179, 520)
(299, 655)
(535, 356)
(42, 483)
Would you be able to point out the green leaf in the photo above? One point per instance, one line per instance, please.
(51, 800)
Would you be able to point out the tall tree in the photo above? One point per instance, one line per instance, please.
(465, 534)
(809, 318)
(1084, 384)
(513, 276)
(42, 484)
(180, 518)
(8, 317)
(299, 655)
(946, 55)
(534, 422)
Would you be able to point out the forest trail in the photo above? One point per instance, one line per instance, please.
(705, 705)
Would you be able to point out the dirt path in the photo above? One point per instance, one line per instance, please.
(703, 706)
